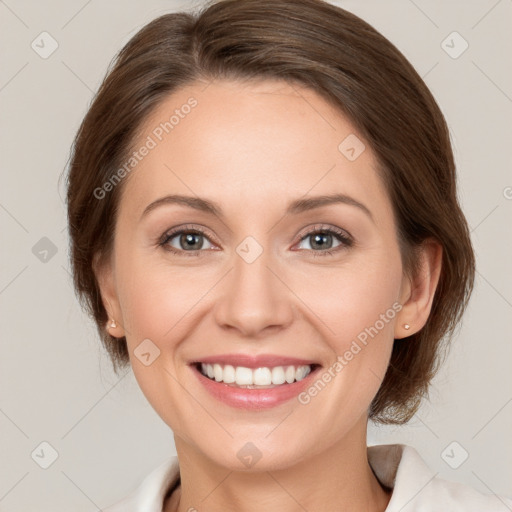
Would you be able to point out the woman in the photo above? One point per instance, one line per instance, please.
(264, 223)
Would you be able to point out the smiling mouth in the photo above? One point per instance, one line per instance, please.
(255, 378)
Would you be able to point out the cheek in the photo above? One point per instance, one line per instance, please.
(155, 297)
(352, 299)
(355, 309)
(158, 303)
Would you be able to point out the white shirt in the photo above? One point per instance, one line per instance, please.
(415, 487)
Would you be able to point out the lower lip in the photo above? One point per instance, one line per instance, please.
(255, 399)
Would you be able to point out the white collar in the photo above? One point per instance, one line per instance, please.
(416, 488)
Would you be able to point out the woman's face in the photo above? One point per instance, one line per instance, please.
(276, 276)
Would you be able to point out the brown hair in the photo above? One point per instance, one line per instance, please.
(348, 63)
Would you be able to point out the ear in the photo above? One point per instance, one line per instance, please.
(104, 272)
(417, 292)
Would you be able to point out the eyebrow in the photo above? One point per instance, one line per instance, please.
(295, 207)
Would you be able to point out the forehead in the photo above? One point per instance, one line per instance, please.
(248, 144)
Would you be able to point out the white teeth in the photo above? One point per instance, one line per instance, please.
(278, 376)
(217, 372)
(289, 374)
(228, 375)
(262, 376)
(242, 376)
(301, 373)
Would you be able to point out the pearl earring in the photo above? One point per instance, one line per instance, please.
(113, 324)
(407, 326)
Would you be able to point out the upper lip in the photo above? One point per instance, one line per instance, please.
(252, 361)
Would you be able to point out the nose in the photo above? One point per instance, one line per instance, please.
(254, 299)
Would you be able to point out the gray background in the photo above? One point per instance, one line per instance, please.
(56, 385)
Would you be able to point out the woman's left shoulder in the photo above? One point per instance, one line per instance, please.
(416, 488)
(458, 497)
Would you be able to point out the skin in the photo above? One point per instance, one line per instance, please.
(253, 147)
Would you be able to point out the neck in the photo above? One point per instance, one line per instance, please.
(340, 476)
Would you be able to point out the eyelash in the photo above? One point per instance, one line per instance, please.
(345, 239)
